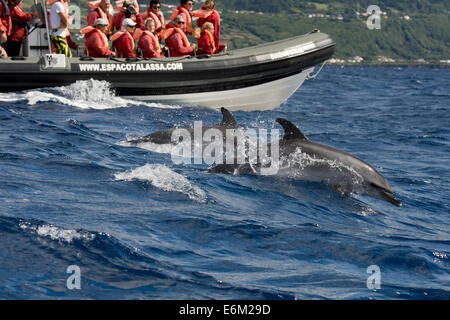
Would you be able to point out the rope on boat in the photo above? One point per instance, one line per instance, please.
(309, 77)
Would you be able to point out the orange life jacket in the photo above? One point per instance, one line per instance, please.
(118, 34)
(139, 33)
(180, 9)
(211, 39)
(149, 14)
(90, 29)
(203, 14)
(166, 34)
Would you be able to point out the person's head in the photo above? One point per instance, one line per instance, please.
(105, 4)
(180, 22)
(101, 24)
(130, 11)
(208, 26)
(188, 4)
(209, 4)
(155, 5)
(129, 25)
(150, 24)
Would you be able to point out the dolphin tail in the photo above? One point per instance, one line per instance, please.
(228, 119)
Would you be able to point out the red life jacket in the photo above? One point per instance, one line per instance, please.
(187, 14)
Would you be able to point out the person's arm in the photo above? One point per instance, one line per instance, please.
(180, 45)
(91, 17)
(127, 47)
(19, 16)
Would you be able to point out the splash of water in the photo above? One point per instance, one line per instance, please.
(85, 94)
(165, 179)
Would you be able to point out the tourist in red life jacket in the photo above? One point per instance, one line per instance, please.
(205, 39)
(19, 32)
(5, 18)
(127, 10)
(154, 11)
(96, 41)
(209, 14)
(148, 41)
(176, 39)
(101, 9)
(185, 9)
(123, 40)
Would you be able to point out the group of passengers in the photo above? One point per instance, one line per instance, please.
(125, 27)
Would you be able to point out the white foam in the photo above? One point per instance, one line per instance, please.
(85, 94)
(56, 233)
(165, 179)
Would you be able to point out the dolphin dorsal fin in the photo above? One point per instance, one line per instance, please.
(291, 131)
(228, 119)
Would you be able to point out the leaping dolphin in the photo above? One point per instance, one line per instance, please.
(165, 136)
(303, 159)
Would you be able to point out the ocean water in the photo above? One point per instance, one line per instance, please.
(139, 226)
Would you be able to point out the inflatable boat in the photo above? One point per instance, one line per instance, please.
(254, 78)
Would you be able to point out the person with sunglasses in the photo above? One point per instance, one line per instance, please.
(176, 39)
(102, 9)
(185, 9)
(123, 40)
(96, 41)
(154, 12)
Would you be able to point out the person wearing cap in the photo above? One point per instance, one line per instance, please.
(176, 40)
(154, 11)
(100, 10)
(148, 41)
(59, 23)
(96, 41)
(123, 40)
(185, 9)
(127, 11)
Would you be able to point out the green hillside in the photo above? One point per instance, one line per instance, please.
(410, 29)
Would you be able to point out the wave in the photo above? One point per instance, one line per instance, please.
(56, 233)
(165, 179)
(84, 94)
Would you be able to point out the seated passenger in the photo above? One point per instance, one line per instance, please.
(176, 39)
(101, 9)
(123, 40)
(127, 10)
(96, 41)
(205, 39)
(148, 41)
(185, 10)
(154, 11)
(209, 14)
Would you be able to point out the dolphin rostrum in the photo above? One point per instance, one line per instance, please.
(300, 158)
(165, 136)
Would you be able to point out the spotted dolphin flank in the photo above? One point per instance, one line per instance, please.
(300, 158)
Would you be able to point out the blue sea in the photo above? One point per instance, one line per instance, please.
(137, 226)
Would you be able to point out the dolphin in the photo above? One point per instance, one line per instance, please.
(165, 136)
(300, 158)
